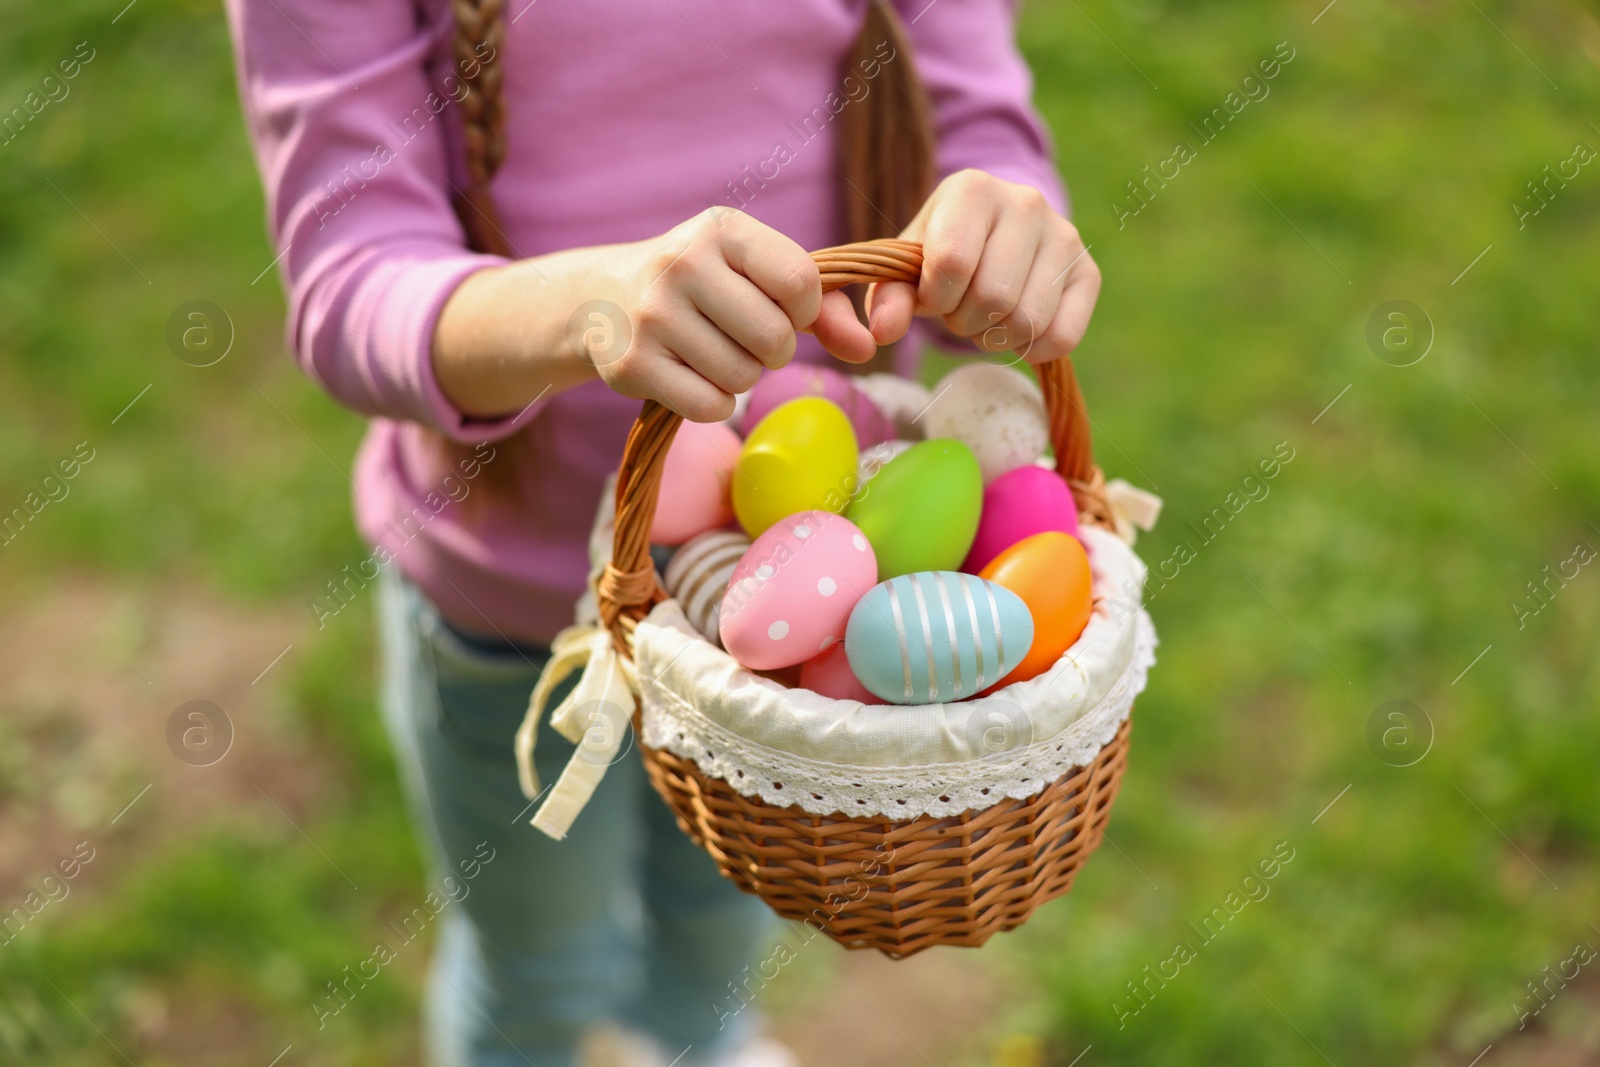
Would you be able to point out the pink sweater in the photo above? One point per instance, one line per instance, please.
(624, 117)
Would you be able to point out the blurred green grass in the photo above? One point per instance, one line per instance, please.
(1385, 558)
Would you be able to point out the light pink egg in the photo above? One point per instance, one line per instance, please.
(1017, 505)
(790, 596)
(776, 388)
(694, 483)
(830, 675)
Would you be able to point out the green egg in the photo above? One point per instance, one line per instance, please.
(920, 512)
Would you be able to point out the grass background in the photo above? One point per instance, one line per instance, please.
(1385, 559)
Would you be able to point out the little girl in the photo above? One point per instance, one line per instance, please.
(500, 226)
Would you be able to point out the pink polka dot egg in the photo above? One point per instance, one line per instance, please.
(790, 596)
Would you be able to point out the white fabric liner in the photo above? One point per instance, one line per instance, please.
(793, 746)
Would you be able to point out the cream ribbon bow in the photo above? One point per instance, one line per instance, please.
(595, 716)
(1131, 507)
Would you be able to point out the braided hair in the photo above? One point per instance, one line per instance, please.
(478, 47)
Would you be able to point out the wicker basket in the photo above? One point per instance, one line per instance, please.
(898, 886)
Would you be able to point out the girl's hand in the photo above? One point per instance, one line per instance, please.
(999, 267)
(713, 302)
(687, 319)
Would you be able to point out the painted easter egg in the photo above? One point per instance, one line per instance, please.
(790, 595)
(698, 575)
(1050, 573)
(695, 483)
(875, 458)
(921, 510)
(778, 387)
(902, 400)
(1019, 504)
(996, 411)
(936, 636)
(801, 457)
(830, 675)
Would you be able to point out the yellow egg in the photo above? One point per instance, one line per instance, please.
(801, 457)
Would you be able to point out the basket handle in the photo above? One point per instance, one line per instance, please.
(628, 588)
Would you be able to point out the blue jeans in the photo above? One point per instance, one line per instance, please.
(626, 919)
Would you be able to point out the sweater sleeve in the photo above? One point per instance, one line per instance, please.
(349, 132)
(981, 91)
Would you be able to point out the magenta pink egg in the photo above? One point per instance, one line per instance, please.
(830, 675)
(694, 483)
(790, 595)
(1017, 505)
(778, 387)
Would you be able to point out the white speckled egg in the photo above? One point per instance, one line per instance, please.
(995, 411)
(901, 399)
(698, 576)
(936, 636)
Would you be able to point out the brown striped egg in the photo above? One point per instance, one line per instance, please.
(698, 577)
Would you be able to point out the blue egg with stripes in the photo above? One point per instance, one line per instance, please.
(936, 636)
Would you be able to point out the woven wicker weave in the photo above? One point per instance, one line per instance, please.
(896, 886)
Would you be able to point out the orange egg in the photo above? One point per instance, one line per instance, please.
(1050, 572)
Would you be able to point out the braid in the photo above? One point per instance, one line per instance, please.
(479, 44)
(478, 52)
(886, 143)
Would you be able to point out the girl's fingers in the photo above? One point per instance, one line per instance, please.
(1027, 327)
(718, 358)
(890, 307)
(953, 234)
(682, 389)
(840, 332)
(1071, 320)
(997, 284)
(747, 315)
(778, 266)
